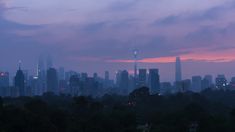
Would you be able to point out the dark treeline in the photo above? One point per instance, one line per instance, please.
(183, 112)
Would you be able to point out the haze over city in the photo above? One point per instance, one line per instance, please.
(93, 36)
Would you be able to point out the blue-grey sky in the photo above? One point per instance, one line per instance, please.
(99, 35)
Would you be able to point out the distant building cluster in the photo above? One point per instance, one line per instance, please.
(58, 81)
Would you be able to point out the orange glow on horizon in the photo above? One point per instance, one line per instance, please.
(217, 57)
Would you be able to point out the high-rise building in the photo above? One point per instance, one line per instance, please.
(221, 82)
(107, 81)
(4, 79)
(154, 81)
(52, 81)
(95, 76)
(178, 72)
(183, 86)
(124, 82)
(61, 73)
(166, 88)
(232, 84)
(84, 76)
(205, 84)
(106, 76)
(40, 79)
(4, 83)
(118, 78)
(69, 74)
(196, 84)
(209, 78)
(74, 84)
(142, 77)
(20, 82)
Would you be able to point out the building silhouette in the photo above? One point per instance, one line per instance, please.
(4, 79)
(20, 82)
(52, 81)
(178, 72)
(209, 78)
(40, 79)
(75, 85)
(221, 82)
(61, 73)
(166, 88)
(124, 82)
(154, 81)
(196, 84)
(4, 83)
(142, 78)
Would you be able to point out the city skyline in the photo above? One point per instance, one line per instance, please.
(84, 36)
(47, 62)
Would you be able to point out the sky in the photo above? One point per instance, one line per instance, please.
(98, 35)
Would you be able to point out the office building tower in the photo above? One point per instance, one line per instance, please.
(154, 81)
(196, 84)
(118, 78)
(107, 82)
(69, 74)
(124, 82)
(84, 76)
(4, 83)
(20, 82)
(183, 86)
(95, 76)
(178, 72)
(61, 73)
(74, 85)
(221, 82)
(166, 88)
(41, 78)
(142, 77)
(52, 81)
(209, 78)
(4, 79)
(232, 84)
(205, 84)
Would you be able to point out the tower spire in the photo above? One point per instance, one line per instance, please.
(178, 72)
(135, 63)
(20, 63)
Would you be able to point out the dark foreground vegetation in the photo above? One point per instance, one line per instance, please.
(210, 111)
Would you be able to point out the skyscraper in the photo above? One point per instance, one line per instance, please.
(154, 81)
(20, 81)
(178, 72)
(142, 77)
(74, 84)
(4, 83)
(4, 79)
(41, 78)
(135, 69)
(124, 82)
(221, 82)
(196, 83)
(106, 76)
(52, 81)
(61, 73)
(209, 78)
